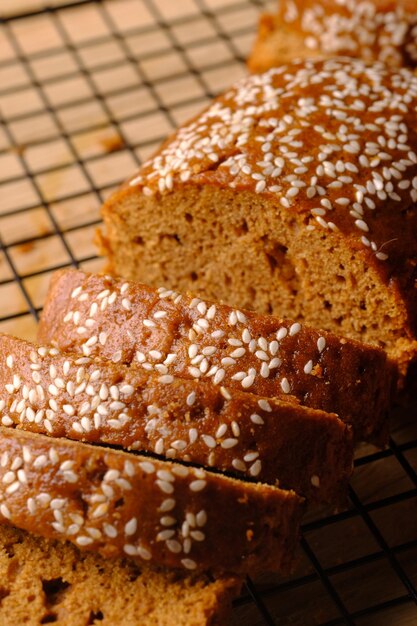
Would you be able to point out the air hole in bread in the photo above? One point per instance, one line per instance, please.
(3, 593)
(95, 616)
(54, 590)
(170, 236)
(49, 618)
(134, 573)
(242, 228)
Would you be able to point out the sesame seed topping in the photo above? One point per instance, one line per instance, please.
(131, 526)
(229, 443)
(321, 344)
(189, 564)
(308, 367)
(285, 385)
(256, 419)
(315, 481)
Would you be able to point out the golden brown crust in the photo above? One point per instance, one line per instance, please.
(97, 401)
(277, 356)
(120, 504)
(377, 30)
(45, 580)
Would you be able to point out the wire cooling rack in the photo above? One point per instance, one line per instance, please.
(88, 90)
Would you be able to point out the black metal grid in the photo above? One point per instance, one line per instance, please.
(141, 78)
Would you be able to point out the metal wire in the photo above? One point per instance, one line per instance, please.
(256, 595)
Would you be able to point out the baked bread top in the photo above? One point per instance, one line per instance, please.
(374, 30)
(334, 140)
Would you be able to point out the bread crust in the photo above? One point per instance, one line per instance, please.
(376, 30)
(323, 371)
(93, 400)
(119, 504)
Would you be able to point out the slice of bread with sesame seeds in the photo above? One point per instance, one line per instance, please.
(375, 30)
(120, 504)
(97, 401)
(294, 193)
(45, 581)
(171, 334)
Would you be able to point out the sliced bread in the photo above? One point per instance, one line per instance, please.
(120, 504)
(293, 193)
(93, 400)
(162, 331)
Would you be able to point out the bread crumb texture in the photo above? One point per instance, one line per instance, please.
(46, 582)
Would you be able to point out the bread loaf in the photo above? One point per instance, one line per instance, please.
(44, 581)
(375, 30)
(120, 504)
(98, 401)
(293, 193)
(180, 335)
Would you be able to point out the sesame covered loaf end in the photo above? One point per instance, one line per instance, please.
(293, 193)
(120, 504)
(172, 334)
(374, 30)
(93, 400)
(44, 581)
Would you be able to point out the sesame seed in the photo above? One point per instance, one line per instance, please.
(131, 526)
(219, 376)
(13, 487)
(165, 486)
(248, 381)
(239, 465)
(256, 468)
(285, 386)
(5, 511)
(194, 371)
(8, 477)
(256, 419)
(189, 564)
(193, 435)
(282, 333)
(222, 429)
(321, 344)
(315, 481)
(229, 443)
(167, 379)
(165, 535)
(264, 405)
(173, 546)
(209, 441)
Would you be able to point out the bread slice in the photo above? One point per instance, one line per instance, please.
(376, 30)
(120, 504)
(44, 581)
(94, 400)
(180, 335)
(294, 193)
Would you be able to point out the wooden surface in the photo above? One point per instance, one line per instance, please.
(86, 93)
